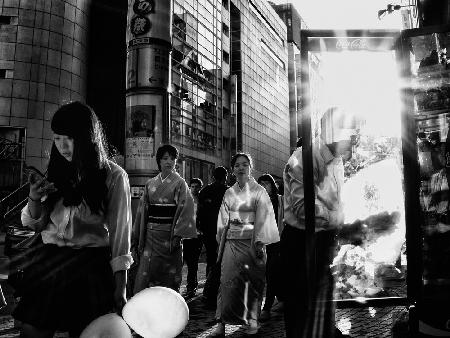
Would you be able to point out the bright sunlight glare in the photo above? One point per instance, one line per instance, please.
(365, 84)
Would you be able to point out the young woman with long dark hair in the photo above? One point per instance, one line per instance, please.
(82, 211)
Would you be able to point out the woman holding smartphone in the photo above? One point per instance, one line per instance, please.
(83, 213)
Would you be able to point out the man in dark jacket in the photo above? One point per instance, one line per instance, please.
(209, 202)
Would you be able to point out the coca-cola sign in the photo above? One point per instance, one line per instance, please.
(353, 44)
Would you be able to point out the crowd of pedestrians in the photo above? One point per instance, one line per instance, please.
(85, 240)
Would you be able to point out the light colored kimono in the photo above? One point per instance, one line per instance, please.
(248, 214)
(166, 210)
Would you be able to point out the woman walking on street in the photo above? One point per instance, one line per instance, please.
(82, 211)
(165, 215)
(247, 221)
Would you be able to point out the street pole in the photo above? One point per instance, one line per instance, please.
(147, 89)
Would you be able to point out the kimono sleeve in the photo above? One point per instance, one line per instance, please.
(119, 221)
(184, 222)
(266, 230)
(223, 217)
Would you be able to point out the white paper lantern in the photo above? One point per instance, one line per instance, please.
(156, 312)
(110, 325)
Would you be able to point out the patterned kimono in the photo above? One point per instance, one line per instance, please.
(166, 210)
(248, 216)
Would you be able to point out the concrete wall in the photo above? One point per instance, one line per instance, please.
(42, 65)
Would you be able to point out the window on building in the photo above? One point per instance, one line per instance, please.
(5, 20)
(2, 73)
(225, 113)
(225, 143)
(179, 22)
(225, 29)
(226, 57)
(226, 84)
(225, 4)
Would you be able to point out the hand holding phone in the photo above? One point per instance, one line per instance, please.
(39, 185)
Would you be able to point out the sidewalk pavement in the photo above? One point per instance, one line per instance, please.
(366, 322)
(356, 322)
(202, 319)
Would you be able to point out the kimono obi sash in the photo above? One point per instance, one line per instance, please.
(161, 213)
(241, 225)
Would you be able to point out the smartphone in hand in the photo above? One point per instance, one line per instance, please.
(34, 174)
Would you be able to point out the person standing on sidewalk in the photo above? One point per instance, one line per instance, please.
(247, 220)
(273, 269)
(192, 247)
(209, 201)
(164, 217)
(301, 320)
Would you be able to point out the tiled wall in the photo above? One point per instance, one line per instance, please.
(42, 65)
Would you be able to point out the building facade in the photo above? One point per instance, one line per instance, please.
(228, 87)
(294, 24)
(42, 65)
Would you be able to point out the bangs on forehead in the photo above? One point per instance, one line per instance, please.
(240, 157)
(241, 154)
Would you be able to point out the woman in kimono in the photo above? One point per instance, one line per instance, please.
(247, 223)
(165, 216)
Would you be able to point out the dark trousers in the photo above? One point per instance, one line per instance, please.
(211, 246)
(273, 272)
(192, 248)
(303, 319)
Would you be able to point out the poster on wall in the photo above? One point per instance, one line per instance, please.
(140, 137)
(137, 191)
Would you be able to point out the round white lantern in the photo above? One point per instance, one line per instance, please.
(110, 325)
(156, 312)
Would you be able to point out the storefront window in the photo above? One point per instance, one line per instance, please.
(431, 90)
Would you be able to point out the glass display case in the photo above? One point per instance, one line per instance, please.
(351, 99)
(426, 70)
(388, 95)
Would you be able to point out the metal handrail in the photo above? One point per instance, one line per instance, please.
(10, 204)
(15, 208)
(10, 195)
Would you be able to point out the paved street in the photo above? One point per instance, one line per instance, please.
(202, 322)
(368, 322)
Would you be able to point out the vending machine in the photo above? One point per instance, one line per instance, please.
(388, 92)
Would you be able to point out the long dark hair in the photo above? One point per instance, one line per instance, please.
(271, 180)
(274, 195)
(84, 177)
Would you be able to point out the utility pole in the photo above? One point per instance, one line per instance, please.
(147, 124)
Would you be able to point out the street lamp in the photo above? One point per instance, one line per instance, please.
(389, 9)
